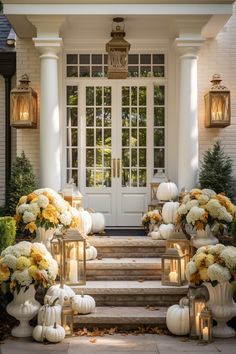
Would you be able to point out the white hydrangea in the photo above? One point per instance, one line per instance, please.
(74, 213)
(229, 256)
(219, 273)
(192, 203)
(190, 269)
(34, 209)
(43, 201)
(203, 249)
(182, 209)
(9, 261)
(186, 199)
(203, 199)
(40, 248)
(23, 248)
(21, 209)
(209, 192)
(60, 205)
(28, 217)
(52, 268)
(216, 249)
(195, 214)
(213, 207)
(65, 218)
(224, 215)
(8, 250)
(22, 277)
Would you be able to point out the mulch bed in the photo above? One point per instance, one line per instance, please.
(7, 322)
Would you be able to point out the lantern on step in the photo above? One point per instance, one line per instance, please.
(197, 296)
(178, 240)
(173, 267)
(24, 107)
(69, 249)
(217, 104)
(72, 194)
(156, 180)
(205, 326)
(117, 49)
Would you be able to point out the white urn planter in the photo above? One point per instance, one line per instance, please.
(23, 307)
(44, 236)
(223, 308)
(204, 238)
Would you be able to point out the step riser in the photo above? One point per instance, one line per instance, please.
(122, 277)
(136, 273)
(131, 252)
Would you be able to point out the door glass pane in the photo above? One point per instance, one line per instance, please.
(125, 95)
(98, 96)
(90, 137)
(107, 177)
(98, 117)
(134, 178)
(134, 91)
(125, 137)
(142, 157)
(72, 116)
(142, 137)
(107, 96)
(134, 158)
(125, 117)
(107, 137)
(142, 96)
(159, 158)
(90, 178)
(89, 157)
(134, 117)
(159, 95)
(98, 137)
(89, 96)
(72, 95)
(107, 157)
(159, 116)
(125, 157)
(133, 137)
(107, 117)
(159, 137)
(125, 178)
(99, 158)
(89, 117)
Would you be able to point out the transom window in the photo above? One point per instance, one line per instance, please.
(95, 65)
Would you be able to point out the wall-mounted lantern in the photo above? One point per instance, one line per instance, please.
(217, 104)
(118, 49)
(24, 107)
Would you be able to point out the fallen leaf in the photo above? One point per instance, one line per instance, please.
(133, 260)
(112, 330)
(94, 340)
(150, 308)
(130, 238)
(140, 280)
(99, 258)
(184, 339)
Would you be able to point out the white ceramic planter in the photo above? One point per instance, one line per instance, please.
(204, 238)
(44, 236)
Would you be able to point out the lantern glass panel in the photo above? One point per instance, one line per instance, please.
(205, 326)
(55, 249)
(173, 268)
(197, 302)
(219, 106)
(74, 257)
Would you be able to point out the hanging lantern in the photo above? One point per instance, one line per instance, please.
(118, 49)
(217, 104)
(69, 250)
(197, 296)
(24, 107)
(205, 326)
(72, 194)
(173, 271)
(178, 240)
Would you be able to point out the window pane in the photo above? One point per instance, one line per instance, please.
(84, 59)
(72, 71)
(145, 71)
(98, 117)
(159, 116)
(90, 137)
(72, 137)
(142, 96)
(72, 95)
(133, 71)
(72, 174)
(72, 116)
(159, 95)
(159, 158)
(84, 71)
(89, 117)
(97, 71)
(90, 178)
(72, 59)
(107, 96)
(145, 59)
(98, 96)
(159, 137)
(89, 96)
(90, 157)
(107, 117)
(133, 59)
(158, 58)
(96, 58)
(158, 71)
(125, 96)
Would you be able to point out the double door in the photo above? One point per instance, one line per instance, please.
(116, 149)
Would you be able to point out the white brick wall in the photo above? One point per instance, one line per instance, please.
(219, 56)
(28, 62)
(2, 140)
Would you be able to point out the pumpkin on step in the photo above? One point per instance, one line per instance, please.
(166, 230)
(50, 312)
(85, 221)
(169, 211)
(83, 304)
(55, 333)
(98, 222)
(91, 253)
(177, 319)
(167, 191)
(57, 291)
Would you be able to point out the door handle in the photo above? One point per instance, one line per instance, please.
(114, 168)
(118, 168)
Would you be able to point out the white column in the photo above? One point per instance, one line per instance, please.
(50, 154)
(188, 116)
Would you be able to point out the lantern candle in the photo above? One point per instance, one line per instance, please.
(73, 271)
(205, 334)
(173, 276)
(197, 323)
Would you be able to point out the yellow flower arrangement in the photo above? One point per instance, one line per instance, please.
(22, 263)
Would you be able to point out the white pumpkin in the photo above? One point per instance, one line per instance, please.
(156, 235)
(85, 221)
(91, 253)
(166, 230)
(83, 304)
(39, 333)
(50, 312)
(169, 212)
(177, 319)
(167, 191)
(61, 293)
(98, 222)
(55, 333)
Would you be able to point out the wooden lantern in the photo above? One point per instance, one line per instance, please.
(173, 267)
(217, 105)
(24, 107)
(197, 301)
(205, 326)
(72, 194)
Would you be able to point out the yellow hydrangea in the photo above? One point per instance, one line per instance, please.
(31, 227)
(32, 271)
(200, 260)
(36, 255)
(23, 200)
(4, 273)
(203, 274)
(210, 259)
(50, 213)
(22, 263)
(43, 264)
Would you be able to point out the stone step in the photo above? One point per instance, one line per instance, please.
(125, 316)
(124, 269)
(127, 246)
(132, 293)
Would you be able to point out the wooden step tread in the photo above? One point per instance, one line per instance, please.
(128, 241)
(124, 263)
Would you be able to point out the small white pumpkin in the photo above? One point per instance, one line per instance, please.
(85, 221)
(55, 333)
(166, 230)
(91, 253)
(98, 222)
(50, 312)
(39, 333)
(83, 304)
(167, 191)
(169, 211)
(177, 319)
(61, 293)
(156, 235)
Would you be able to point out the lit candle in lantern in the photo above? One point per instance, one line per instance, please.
(205, 334)
(24, 115)
(173, 276)
(197, 323)
(73, 271)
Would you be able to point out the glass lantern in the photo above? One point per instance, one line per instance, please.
(72, 194)
(178, 240)
(70, 252)
(197, 296)
(24, 107)
(158, 178)
(173, 267)
(118, 49)
(217, 104)
(205, 326)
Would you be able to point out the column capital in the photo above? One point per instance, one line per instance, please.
(188, 47)
(48, 47)
(47, 26)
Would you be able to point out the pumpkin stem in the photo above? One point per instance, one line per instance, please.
(54, 301)
(82, 293)
(55, 325)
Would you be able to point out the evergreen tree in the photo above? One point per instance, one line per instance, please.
(216, 171)
(22, 182)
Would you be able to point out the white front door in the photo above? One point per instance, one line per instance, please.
(116, 145)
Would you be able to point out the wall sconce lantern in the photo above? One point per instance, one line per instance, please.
(173, 271)
(217, 104)
(69, 250)
(72, 194)
(24, 107)
(118, 49)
